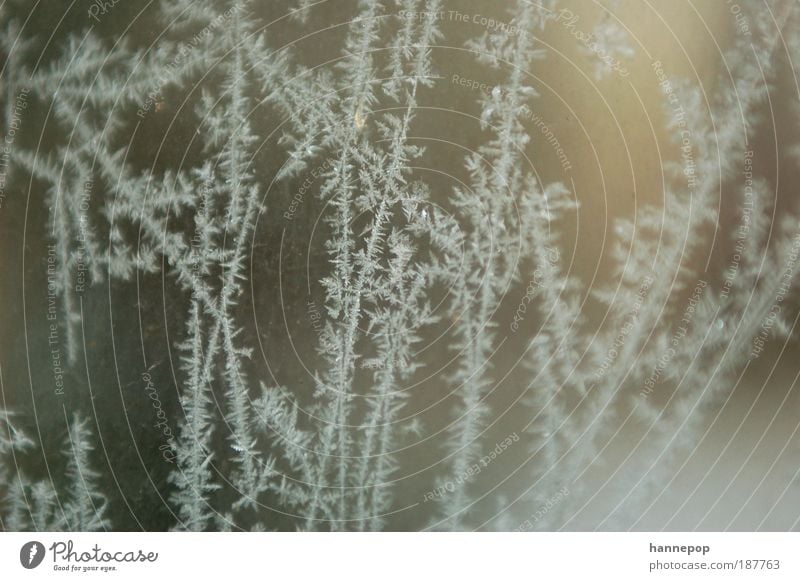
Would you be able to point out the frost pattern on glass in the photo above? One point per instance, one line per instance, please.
(403, 256)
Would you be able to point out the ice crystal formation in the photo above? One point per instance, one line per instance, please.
(296, 266)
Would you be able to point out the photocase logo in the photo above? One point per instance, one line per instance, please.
(31, 554)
